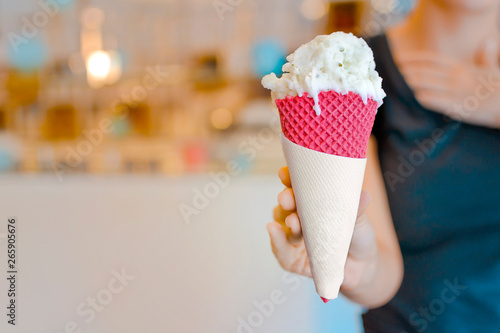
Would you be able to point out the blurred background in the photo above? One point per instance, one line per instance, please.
(154, 108)
(176, 83)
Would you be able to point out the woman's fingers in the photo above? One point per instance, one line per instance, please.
(426, 79)
(291, 254)
(282, 248)
(422, 72)
(287, 200)
(488, 53)
(438, 102)
(285, 176)
(429, 59)
(279, 214)
(292, 222)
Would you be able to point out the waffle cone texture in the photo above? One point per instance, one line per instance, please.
(343, 128)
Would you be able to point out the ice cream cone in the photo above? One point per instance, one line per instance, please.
(326, 156)
(327, 96)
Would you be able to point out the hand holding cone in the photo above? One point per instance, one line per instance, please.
(327, 109)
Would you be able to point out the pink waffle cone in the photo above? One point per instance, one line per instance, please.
(343, 128)
(326, 159)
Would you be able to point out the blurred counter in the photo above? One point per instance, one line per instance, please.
(213, 272)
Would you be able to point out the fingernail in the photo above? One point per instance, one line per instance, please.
(286, 221)
(281, 173)
(280, 197)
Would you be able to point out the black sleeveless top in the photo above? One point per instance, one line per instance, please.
(443, 183)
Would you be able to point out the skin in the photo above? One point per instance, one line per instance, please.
(442, 49)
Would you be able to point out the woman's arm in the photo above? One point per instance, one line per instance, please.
(383, 276)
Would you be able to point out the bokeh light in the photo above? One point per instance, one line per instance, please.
(99, 64)
(221, 118)
(92, 18)
(314, 9)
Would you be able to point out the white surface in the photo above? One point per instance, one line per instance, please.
(188, 278)
(327, 190)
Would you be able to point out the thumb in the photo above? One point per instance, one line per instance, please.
(488, 53)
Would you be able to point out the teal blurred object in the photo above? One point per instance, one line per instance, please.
(269, 55)
(404, 7)
(243, 162)
(26, 54)
(6, 161)
(64, 4)
(124, 56)
(121, 127)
